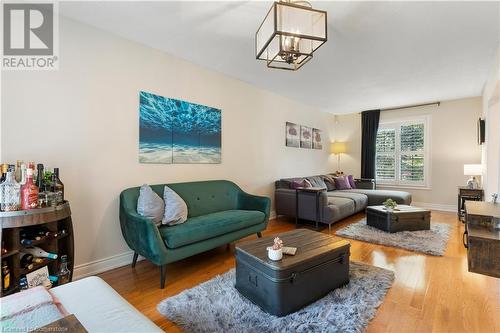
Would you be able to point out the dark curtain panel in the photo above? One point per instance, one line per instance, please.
(369, 128)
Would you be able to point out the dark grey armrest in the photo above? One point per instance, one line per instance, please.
(365, 183)
(285, 200)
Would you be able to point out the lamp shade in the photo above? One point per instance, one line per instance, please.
(473, 169)
(339, 147)
(289, 35)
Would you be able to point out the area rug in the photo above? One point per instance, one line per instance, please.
(216, 306)
(431, 241)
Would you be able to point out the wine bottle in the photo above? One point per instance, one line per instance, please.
(64, 273)
(23, 174)
(26, 260)
(57, 187)
(40, 181)
(29, 192)
(4, 167)
(38, 252)
(18, 172)
(5, 277)
(26, 241)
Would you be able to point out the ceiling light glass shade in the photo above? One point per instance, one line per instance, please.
(289, 35)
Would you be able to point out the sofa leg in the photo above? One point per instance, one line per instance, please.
(163, 275)
(259, 234)
(134, 260)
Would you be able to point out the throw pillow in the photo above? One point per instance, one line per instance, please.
(317, 181)
(342, 183)
(352, 183)
(150, 204)
(329, 182)
(175, 208)
(300, 183)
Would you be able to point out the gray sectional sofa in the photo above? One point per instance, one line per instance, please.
(334, 205)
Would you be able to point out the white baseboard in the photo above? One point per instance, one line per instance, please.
(102, 265)
(119, 260)
(433, 206)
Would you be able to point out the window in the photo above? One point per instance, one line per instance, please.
(402, 156)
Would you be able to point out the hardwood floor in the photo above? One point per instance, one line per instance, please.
(430, 294)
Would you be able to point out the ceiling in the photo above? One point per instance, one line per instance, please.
(378, 54)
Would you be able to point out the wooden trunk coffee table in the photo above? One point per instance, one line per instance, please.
(404, 218)
(320, 264)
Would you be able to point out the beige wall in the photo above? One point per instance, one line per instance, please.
(84, 119)
(491, 148)
(453, 140)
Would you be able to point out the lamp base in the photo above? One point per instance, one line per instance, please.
(472, 183)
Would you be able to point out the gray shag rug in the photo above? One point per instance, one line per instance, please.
(431, 241)
(216, 306)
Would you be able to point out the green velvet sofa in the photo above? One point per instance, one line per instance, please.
(219, 212)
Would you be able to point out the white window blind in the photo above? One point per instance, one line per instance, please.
(402, 153)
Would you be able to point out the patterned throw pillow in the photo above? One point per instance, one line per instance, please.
(175, 208)
(329, 182)
(300, 183)
(352, 183)
(150, 204)
(342, 183)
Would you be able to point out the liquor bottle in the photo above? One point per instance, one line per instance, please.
(64, 273)
(57, 187)
(26, 260)
(29, 192)
(23, 283)
(38, 252)
(19, 163)
(23, 174)
(5, 277)
(44, 193)
(10, 192)
(4, 167)
(31, 165)
(40, 181)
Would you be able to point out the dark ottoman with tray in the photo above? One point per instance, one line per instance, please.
(402, 218)
(320, 264)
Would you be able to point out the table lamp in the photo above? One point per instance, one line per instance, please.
(473, 170)
(337, 148)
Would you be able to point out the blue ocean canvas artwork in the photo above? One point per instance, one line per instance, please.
(176, 131)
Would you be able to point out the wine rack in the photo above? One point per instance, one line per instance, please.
(55, 219)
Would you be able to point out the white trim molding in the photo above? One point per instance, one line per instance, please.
(109, 263)
(434, 206)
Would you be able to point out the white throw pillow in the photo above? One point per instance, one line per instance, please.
(150, 204)
(176, 210)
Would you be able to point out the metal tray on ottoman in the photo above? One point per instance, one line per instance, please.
(320, 264)
(405, 218)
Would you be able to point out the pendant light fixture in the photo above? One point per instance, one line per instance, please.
(289, 34)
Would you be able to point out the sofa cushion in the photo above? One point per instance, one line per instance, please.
(360, 199)
(300, 183)
(341, 207)
(329, 182)
(150, 204)
(377, 197)
(342, 183)
(317, 181)
(203, 227)
(352, 183)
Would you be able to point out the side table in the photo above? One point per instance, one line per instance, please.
(465, 193)
(317, 191)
